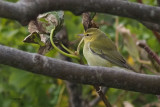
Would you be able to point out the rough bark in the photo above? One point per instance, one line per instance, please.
(102, 76)
(26, 10)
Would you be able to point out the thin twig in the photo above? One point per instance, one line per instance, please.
(139, 1)
(60, 96)
(87, 21)
(97, 99)
(117, 32)
(149, 51)
(102, 96)
(157, 35)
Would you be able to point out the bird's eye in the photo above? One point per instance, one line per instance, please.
(87, 35)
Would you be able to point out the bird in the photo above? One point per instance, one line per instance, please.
(100, 50)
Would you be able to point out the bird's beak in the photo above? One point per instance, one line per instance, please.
(80, 34)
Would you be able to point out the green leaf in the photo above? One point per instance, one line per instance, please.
(34, 38)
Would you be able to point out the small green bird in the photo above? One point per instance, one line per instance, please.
(99, 50)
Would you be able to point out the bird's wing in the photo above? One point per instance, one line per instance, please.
(107, 50)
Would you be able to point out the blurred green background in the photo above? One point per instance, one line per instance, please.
(22, 89)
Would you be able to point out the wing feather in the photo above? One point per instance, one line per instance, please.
(107, 50)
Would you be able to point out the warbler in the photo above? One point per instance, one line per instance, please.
(99, 50)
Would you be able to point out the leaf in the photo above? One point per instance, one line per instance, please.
(59, 81)
(47, 22)
(46, 48)
(50, 20)
(130, 60)
(101, 103)
(40, 29)
(34, 37)
(127, 104)
(32, 26)
(129, 41)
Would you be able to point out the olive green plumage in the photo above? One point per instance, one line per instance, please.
(99, 50)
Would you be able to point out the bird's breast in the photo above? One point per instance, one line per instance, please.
(93, 59)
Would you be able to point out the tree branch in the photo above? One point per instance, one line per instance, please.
(151, 26)
(157, 35)
(97, 99)
(149, 51)
(26, 10)
(75, 94)
(158, 1)
(102, 76)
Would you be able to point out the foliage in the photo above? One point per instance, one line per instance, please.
(22, 89)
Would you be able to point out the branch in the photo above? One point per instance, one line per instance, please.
(102, 76)
(87, 21)
(157, 35)
(151, 26)
(75, 94)
(97, 99)
(149, 51)
(158, 1)
(26, 10)
(139, 1)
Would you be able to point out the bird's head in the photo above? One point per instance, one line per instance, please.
(91, 34)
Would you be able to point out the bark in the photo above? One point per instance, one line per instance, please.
(26, 10)
(76, 73)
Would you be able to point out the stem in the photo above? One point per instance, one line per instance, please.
(117, 33)
(78, 48)
(157, 35)
(69, 55)
(143, 61)
(66, 48)
(60, 96)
